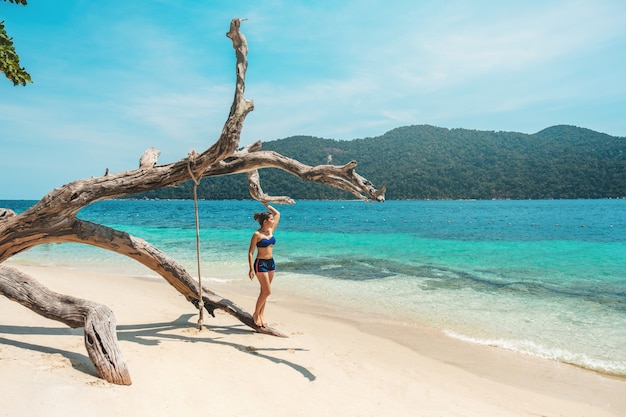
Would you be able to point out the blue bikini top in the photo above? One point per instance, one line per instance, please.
(264, 243)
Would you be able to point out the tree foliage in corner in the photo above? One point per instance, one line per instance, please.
(9, 60)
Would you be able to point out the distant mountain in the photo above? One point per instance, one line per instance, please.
(427, 162)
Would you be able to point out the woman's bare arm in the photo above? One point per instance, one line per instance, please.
(275, 213)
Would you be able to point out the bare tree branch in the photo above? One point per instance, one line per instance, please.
(343, 177)
(97, 320)
(53, 219)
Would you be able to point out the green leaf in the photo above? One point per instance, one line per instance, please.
(9, 60)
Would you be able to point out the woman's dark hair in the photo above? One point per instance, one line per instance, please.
(261, 217)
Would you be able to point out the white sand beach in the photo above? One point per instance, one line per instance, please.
(329, 365)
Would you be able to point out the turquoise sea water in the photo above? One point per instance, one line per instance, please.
(547, 278)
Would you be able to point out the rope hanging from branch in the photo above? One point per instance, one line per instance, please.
(196, 182)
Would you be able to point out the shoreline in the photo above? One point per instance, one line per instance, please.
(391, 368)
(504, 365)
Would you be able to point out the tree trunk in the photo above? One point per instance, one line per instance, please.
(98, 320)
(53, 220)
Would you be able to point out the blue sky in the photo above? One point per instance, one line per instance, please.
(114, 78)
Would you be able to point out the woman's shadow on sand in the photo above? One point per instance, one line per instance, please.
(148, 334)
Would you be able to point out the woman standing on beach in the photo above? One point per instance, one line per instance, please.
(263, 240)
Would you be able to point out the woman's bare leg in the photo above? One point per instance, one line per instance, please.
(265, 279)
(262, 312)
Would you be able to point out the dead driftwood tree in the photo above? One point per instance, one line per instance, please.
(53, 220)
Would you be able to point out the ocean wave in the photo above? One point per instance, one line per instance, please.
(528, 347)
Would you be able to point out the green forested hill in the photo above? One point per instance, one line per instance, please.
(427, 162)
